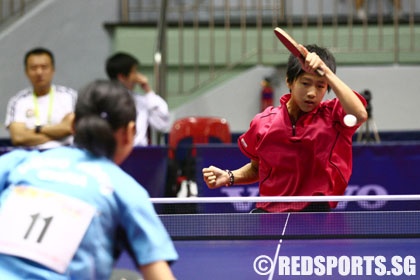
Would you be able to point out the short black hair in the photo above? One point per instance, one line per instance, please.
(38, 51)
(294, 68)
(120, 63)
(102, 107)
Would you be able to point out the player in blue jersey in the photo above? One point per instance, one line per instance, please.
(65, 213)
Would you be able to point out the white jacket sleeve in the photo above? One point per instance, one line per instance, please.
(158, 112)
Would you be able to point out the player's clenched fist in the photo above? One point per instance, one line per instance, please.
(215, 177)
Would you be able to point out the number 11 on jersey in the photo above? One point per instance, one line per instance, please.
(43, 226)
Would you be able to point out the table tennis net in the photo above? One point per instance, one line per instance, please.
(239, 204)
(216, 218)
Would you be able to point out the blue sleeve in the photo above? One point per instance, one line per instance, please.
(146, 233)
(8, 162)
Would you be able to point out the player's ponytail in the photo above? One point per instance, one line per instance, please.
(102, 107)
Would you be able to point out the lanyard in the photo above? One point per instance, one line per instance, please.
(51, 94)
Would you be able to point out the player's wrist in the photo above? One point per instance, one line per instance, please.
(146, 87)
(231, 178)
(38, 129)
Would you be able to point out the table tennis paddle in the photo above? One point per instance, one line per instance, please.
(292, 45)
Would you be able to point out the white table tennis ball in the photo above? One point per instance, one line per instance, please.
(350, 120)
(158, 57)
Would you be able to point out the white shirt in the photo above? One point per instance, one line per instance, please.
(151, 110)
(51, 110)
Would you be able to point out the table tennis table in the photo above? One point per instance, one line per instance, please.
(333, 245)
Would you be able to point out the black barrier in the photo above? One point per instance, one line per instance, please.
(148, 165)
(378, 169)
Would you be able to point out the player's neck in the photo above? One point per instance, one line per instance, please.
(41, 91)
(294, 111)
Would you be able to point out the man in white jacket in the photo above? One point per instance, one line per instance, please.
(152, 110)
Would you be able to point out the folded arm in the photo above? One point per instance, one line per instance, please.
(23, 136)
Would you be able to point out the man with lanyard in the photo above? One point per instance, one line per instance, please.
(40, 116)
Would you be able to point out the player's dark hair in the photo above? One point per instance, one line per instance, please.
(38, 51)
(120, 63)
(102, 107)
(294, 68)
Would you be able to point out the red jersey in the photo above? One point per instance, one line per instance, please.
(310, 158)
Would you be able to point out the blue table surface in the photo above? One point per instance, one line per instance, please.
(348, 245)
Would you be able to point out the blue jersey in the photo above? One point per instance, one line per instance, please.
(119, 203)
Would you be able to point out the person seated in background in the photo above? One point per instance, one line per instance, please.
(267, 94)
(361, 10)
(40, 116)
(73, 209)
(152, 110)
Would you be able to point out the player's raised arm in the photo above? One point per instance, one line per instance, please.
(349, 100)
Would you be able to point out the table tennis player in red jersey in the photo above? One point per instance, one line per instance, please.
(301, 147)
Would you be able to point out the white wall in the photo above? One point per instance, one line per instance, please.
(72, 29)
(395, 91)
(395, 96)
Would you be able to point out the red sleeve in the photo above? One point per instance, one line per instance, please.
(249, 141)
(338, 113)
